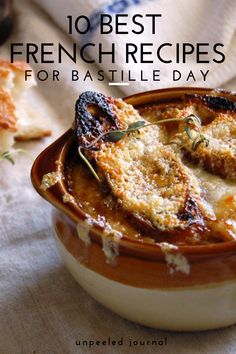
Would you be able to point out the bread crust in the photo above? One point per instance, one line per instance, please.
(147, 175)
(14, 105)
(18, 67)
(8, 120)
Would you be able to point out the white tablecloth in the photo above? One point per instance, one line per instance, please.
(43, 309)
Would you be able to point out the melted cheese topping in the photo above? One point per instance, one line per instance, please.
(110, 244)
(83, 229)
(150, 179)
(221, 196)
(160, 191)
(50, 179)
(68, 198)
(174, 259)
(215, 187)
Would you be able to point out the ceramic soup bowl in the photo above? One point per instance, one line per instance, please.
(189, 287)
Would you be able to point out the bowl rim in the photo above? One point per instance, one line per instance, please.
(54, 156)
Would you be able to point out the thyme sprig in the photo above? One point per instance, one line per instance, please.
(116, 135)
(191, 122)
(88, 163)
(9, 155)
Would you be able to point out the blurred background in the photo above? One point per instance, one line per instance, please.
(43, 310)
(205, 21)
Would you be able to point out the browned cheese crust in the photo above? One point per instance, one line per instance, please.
(146, 170)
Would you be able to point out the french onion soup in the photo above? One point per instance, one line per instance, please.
(163, 173)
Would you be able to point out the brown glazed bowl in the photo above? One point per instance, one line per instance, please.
(186, 288)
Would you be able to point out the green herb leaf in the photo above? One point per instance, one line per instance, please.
(7, 156)
(200, 139)
(88, 164)
(198, 120)
(188, 132)
(135, 125)
(115, 136)
(191, 121)
(196, 143)
(206, 141)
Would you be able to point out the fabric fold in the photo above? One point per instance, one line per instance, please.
(204, 22)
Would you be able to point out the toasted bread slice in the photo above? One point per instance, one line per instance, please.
(28, 122)
(8, 121)
(218, 120)
(147, 178)
(12, 78)
(219, 157)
